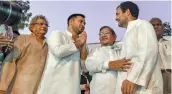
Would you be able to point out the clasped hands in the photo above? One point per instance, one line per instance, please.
(81, 40)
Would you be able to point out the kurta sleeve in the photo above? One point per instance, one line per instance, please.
(9, 67)
(57, 45)
(146, 57)
(83, 67)
(94, 63)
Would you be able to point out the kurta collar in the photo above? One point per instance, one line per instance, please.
(33, 37)
(108, 46)
(131, 24)
(114, 47)
(69, 34)
(168, 38)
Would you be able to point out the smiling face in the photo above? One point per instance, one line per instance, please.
(39, 27)
(121, 17)
(106, 37)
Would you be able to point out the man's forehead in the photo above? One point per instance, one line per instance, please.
(118, 9)
(105, 30)
(156, 21)
(80, 17)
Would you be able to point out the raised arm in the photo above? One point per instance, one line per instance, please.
(58, 47)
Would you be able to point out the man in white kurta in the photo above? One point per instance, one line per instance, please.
(103, 76)
(62, 71)
(140, 45)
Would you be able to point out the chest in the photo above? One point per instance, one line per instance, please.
(68, 40)
(107, 54)
(130, 43)
(165, 48)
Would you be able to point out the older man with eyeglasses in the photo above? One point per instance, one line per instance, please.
(103, 63)
(24, 65)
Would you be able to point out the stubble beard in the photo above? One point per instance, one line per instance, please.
(120, 24)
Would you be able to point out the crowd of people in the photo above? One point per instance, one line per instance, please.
(63, 64)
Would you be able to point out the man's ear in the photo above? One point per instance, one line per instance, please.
(115, 37)
(31, 28)
(70, 21)
(128, 12)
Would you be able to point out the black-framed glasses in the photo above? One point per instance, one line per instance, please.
(42, 24)
(103, 34)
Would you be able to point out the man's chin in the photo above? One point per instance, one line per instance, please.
(43, 33)
(80, 32)
(103, 43)
(119, 25)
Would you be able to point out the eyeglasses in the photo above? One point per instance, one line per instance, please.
(42, 24)
(157, 24)
(103, 34)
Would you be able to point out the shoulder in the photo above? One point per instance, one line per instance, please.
(165, 42)
(118, 45)
(22, 40)
(145, 27)
(22, 37)
(144, 23)
(56, 33)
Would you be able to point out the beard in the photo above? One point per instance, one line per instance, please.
(79, 31)
(120, 25)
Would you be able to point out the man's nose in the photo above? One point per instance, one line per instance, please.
(155, 27)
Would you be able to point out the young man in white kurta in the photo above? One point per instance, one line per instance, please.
(62, 71)
(139, 44)
(97, 63)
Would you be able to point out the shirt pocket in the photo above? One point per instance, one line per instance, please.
(167, 49)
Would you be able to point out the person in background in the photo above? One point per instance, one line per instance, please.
(164, 55)
(85, 82)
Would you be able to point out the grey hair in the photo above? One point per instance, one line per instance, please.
(155, 18)
(35, 18)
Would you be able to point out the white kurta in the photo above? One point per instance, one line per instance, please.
(140, 44)
(103, 79)
(62, 71)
